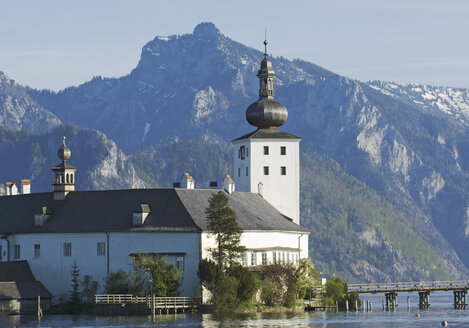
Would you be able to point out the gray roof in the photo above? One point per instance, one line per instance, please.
(18, 271)
(18, 282)
(253, 212)
(268, 134)
(23, 290)
(112, 210)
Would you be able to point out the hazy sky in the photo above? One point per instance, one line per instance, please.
(58, 43)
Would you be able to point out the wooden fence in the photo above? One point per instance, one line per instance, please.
(158, 304)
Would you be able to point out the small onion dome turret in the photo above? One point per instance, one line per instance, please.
(266, 112)
(64, 152)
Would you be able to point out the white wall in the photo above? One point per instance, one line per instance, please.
(282, 191)
(264, 239)
(53, 269)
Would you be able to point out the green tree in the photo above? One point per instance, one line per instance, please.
(221, 221)
(307, 277)
(119, 282)
(89, 288)
(278, 284)
(156, 270)
(336, 292)
(75, 294)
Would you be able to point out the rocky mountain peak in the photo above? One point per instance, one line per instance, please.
(4, 79)
(206, 30)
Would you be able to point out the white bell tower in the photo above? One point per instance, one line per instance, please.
(267, 161)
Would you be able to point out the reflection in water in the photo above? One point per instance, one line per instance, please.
(441, 309)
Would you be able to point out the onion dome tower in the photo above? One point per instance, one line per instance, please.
(266, 112)
(64, 174)
(267, 160)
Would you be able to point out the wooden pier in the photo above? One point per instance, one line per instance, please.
(154, 305)
(390, 290)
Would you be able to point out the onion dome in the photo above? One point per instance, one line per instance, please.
(64, 152)
(266, 112)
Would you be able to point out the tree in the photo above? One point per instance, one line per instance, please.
(156, 270)
(307, 277)
(278, 284)
(221, 221)
(89, 288)
(119, 282)
(336, 291)
(75, 294)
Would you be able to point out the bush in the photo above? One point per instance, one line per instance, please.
(224, 294)
(279, 285)
(119, 282)
(336, 291)
(247, 284)
(208, 272)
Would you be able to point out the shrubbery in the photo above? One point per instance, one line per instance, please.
(150, 273)
(336, 292)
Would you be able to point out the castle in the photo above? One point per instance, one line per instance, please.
(101, 230)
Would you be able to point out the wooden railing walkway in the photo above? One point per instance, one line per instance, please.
(395, 287)
(156, 304)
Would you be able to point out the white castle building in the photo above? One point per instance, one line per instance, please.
(101, 230)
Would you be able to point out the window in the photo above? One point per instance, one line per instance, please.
(37, 251)
(283, 170)
(247, 151)
(101, 248)
(253, 258)
(180, 263)
(283, 150)
(67, 249)
(244, 259)
(239, 171)
(17, 252)
(247, 171)
(266, 170)
(71, 178)
(242, 151)
(264, 258)
(266, 150)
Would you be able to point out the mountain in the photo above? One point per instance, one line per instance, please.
(101, 165)
(18, 111)
(399, 164)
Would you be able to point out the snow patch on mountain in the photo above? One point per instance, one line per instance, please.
(445, 100)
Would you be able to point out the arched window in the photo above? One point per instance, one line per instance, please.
(71, 178)
(57, 178)
(61, 178)
(68, 178)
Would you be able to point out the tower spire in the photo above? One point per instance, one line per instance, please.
(64, 173)
(266, 112)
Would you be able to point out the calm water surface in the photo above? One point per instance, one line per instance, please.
(441, 309)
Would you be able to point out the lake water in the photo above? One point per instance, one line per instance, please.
(441, 309)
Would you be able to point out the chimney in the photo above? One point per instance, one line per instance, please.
(187, 181)
(140, 215)
(25, 186)
(41, 218)
(228, 184)
(11, 189)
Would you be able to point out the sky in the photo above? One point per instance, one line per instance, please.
(53, 44)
